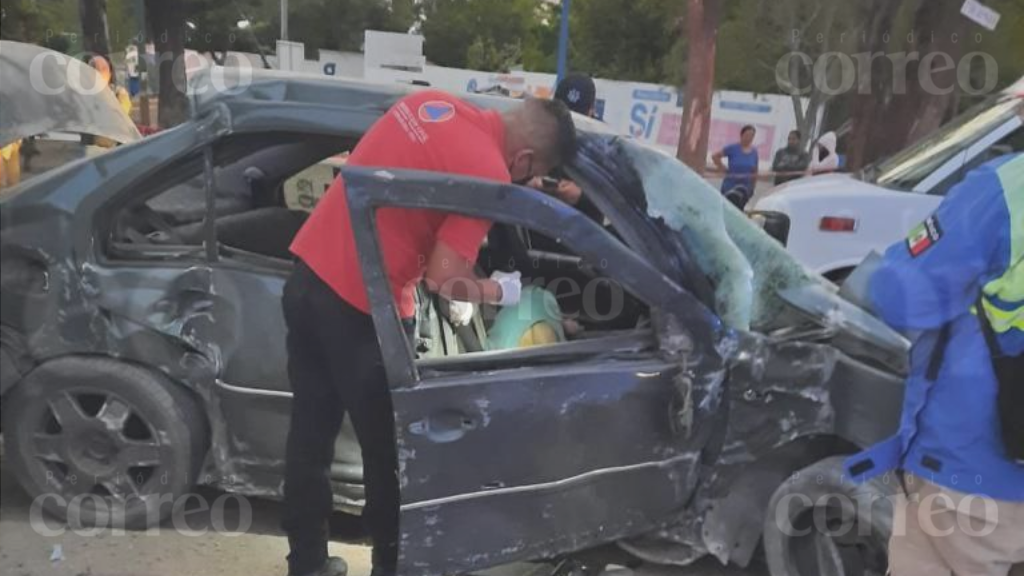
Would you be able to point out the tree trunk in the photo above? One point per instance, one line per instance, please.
(95, 33)
(935, 25)
(703, 18)
(167, 23)
(874, 88)
(891, 115)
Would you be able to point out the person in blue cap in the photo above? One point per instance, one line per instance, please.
(579, 93)
(957, 282)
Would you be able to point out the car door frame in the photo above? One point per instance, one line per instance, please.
(437, 532)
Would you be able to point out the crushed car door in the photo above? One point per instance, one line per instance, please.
(526, 454)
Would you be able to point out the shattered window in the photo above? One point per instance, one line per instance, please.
(747, 267)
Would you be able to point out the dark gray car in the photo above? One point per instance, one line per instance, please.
(712, 379)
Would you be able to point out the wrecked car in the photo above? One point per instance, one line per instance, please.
(708, 376)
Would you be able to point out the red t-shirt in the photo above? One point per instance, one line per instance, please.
(428, 130)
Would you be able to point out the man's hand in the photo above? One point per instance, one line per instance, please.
(569, 192)
(451, 275)
(460, 313)
(511, 287)
(565, 190)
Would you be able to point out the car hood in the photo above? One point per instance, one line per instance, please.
(845, 184)
(45, 91)
(758, 285)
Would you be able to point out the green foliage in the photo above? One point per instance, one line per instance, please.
(624, 39)
(1006, 43)
(214, 26)
(451, 27)
(341, 24)
(483, 54)
(44, 23)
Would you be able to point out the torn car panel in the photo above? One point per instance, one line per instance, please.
(46, 91)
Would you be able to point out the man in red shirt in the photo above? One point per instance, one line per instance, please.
(334, 360)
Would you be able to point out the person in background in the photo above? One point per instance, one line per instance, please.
(132, 71)
(102, 66)
(825, 159)
(579, 93)
(790, 162)
(741, 171)
(958, 282)
(335, 363)
(10, 164)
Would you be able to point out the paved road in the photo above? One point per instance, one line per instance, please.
(164, 552)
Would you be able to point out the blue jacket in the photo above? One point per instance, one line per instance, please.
(949, 432)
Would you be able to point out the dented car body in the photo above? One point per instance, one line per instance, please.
(663, 437)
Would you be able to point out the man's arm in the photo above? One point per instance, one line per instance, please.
(935, 274)
(717, 159)
(452, 276)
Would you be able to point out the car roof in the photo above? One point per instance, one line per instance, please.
(240, 88)
(216, 87)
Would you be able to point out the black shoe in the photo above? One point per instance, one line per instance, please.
(333, 567)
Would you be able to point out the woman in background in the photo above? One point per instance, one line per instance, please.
(741, 171)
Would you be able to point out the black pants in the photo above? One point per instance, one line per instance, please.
(335, 367)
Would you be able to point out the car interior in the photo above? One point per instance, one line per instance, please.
(266, 186)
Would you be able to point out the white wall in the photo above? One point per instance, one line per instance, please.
(649, 112)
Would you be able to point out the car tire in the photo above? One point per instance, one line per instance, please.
(101, 443)
(838, 527)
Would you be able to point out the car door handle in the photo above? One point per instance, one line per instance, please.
(445, 426)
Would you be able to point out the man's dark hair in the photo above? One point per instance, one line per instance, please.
(795, 133)
(748, 128)
(546, 126)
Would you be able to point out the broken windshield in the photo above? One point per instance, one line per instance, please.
(747, 267)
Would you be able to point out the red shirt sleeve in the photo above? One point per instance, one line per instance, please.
(463, 234)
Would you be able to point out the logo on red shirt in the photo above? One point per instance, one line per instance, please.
(436, 111)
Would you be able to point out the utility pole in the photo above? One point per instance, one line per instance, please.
(284, 19)
(140, 42)
(702, 20)
(563, 41)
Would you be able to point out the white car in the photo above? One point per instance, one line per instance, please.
(831, 222)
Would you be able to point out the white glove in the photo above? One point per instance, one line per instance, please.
(460, 313)
(511, 287)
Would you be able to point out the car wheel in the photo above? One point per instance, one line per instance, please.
(819, 522)
(102, 443)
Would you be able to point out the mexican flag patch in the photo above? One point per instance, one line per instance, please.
(924, 236)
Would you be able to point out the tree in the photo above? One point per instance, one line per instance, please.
(27, 21)
(341, 24)
(217, 27)
(819, 38)
(624, 39)
(483, 54)
(95, 34)
(451, 27)
(898, 103)
(167, 27)
(703, 18)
